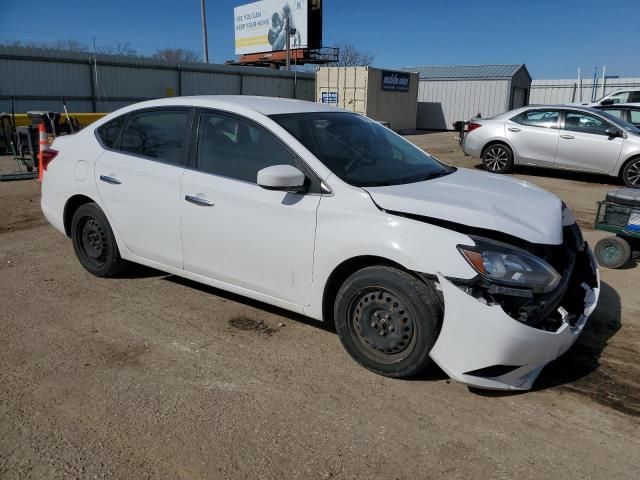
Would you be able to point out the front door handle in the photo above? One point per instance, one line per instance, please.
(568, 137)
(111, 180)
(513, 129)
(198, 200)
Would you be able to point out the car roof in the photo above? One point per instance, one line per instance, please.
(515, 111)
(264, 105)
(618, 106)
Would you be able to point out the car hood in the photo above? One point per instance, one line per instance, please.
(481, 200)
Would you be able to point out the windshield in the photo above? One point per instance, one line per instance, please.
(361, 151)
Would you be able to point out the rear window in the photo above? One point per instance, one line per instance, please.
(109, 132)
(538, 118)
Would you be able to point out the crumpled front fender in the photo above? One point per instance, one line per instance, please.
(477, 336)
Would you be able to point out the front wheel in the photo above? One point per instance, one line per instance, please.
(388, 320)
(94, 242)
(613, 252)
(631, 174)
(497, 158)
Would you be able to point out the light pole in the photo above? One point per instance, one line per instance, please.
(205, 42)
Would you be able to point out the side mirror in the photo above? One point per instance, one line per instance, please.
(613, 132)
(281, 177)
(607, 101)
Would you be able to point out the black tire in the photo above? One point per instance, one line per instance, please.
(497, 158)
(631, 173)
(94, 243)
(384, 299)
(613, 252)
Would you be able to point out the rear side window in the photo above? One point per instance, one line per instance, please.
(110, 131)
(634, 117)
(158, 134)
(538, 118)
(634, 97)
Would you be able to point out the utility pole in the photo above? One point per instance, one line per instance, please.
(205, 42)
(287, 32)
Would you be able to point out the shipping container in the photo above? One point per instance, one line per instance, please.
(383, 95)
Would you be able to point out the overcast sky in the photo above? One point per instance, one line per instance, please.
(553, 38)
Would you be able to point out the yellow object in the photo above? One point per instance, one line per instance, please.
(84, 119)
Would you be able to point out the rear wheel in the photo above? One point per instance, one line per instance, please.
(387, 320)
(94, 242)
(631, 173)
(497, 158)
(613, 252)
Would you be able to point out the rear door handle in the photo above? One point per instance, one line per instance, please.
(568, 137)
(198, 200)
(111, 180)
(513, 129)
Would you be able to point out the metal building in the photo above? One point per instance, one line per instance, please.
(449, 94)
(383, 95)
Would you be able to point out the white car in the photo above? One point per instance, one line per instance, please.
(631, 95)
(329, 214)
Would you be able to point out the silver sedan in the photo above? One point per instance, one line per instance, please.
(562, 137)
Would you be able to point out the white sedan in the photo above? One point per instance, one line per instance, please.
(327, 213)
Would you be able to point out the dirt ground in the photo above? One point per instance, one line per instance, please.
(151, 376)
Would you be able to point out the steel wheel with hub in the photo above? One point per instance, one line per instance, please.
(388, 320)
(497, 158)
(94, 243)
(382, 324)
(631, 174)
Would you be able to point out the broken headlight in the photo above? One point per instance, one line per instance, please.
(508, 265)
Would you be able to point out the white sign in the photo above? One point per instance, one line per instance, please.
(260, 26)
(329, 97)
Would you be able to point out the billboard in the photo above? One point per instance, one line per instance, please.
(260, 26)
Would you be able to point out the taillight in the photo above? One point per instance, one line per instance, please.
(472, 126)
(47, 157)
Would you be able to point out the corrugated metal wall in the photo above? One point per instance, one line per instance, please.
(38, 79)
(350, 83)
(555, 92)
(442, 102)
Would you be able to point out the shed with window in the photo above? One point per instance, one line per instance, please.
(459, 93)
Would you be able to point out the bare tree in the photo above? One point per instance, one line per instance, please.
(177, 55)
(124, 49)
(350, 56)
(68, 46)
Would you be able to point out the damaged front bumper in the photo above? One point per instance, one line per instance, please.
(481, 345)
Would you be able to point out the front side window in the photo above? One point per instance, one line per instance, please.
(361, 151)
(157, 134)
(109, 132)
(620, 97)
(236, 148)
(585, 123)
(538, 118)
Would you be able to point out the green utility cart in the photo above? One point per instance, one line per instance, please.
(619, 213)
